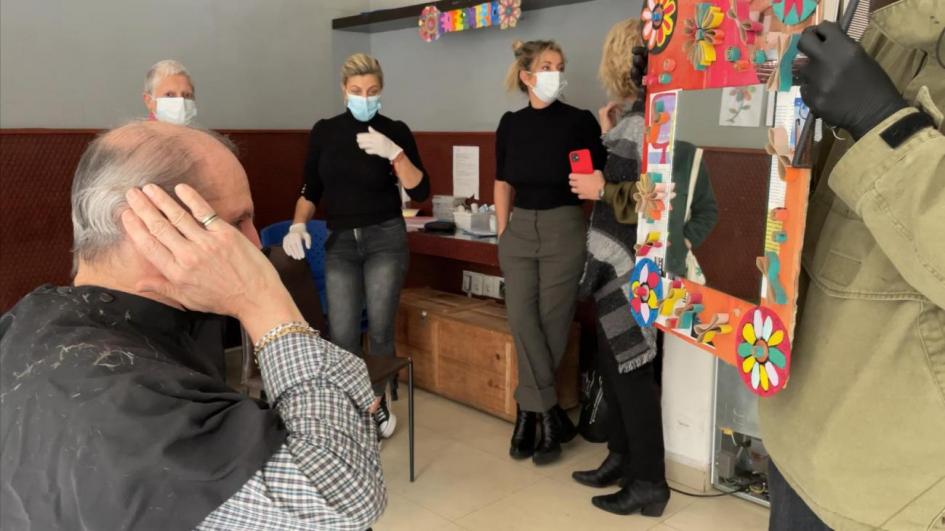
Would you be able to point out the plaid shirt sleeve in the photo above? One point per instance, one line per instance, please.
(328, 473)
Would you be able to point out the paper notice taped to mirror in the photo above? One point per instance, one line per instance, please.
(466, 171)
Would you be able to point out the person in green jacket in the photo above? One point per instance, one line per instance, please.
(857, 438)
(685, 234)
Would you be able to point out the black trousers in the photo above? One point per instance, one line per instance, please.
(635, 420)
(788, 510)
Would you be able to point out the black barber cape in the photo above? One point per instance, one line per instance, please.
(112, 418)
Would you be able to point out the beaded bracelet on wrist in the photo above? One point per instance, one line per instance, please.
(296, 327)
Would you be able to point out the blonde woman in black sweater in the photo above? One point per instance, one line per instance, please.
(357, 162)
(541, 242)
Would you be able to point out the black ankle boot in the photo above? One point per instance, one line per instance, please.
(568, 431)
(647, 497)
(608, 473)
(523, 436)
(549, 441)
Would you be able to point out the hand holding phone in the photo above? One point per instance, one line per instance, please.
(581, 161)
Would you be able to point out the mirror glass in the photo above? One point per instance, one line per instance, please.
(721, 173)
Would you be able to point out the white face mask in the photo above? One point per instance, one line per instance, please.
(179, 111)
(549, 85)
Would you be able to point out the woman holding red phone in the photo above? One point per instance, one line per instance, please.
(541, 243)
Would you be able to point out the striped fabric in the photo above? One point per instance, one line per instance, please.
(328, 474)
(610, 255)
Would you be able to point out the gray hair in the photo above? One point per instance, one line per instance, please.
(130, 156)
(163, 69)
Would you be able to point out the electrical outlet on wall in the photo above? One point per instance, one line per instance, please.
(483, 285)
(475, 285)
(492, 287)
(467, 282)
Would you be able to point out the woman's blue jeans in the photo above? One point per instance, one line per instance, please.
(366, 267)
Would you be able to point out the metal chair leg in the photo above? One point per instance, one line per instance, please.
(410, 412)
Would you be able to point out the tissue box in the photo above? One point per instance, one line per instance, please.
(474, 222)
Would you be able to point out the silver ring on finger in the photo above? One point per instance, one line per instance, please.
(206, 221)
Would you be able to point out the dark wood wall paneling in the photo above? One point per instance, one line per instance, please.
(36, 168)
(740, 183)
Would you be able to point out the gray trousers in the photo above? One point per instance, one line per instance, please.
(541, 254)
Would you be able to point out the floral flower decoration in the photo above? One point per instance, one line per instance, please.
(652, 197)
(429, 23)
(793, 12)
(742, 97)
(509, 13)
(748, 29)
(659, 22)
(764, 351)
(646, 291)
(778, 147)
(702, 34)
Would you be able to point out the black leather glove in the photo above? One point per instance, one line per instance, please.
(640, 56)
(842, 84)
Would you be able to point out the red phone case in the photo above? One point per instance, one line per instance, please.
(581, 161)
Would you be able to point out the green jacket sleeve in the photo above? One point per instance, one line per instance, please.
(705, 211)
(900, 195)
(620, 197)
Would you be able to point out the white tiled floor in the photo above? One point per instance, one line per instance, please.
(466, 481)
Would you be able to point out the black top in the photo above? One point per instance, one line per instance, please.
(354, 188)
(532, 147)
(112, 417)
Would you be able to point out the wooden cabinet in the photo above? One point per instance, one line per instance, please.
(463, 349)
(415, 329)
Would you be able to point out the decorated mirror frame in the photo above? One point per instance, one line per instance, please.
(703, 44)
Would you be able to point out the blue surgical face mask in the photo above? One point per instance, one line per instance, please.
(364, 108)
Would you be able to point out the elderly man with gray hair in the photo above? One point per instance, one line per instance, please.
(110, 415)
(169, 93)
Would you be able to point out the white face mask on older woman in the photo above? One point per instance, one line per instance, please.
(549, 85)
(178, 111)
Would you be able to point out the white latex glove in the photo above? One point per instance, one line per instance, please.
(292, 243)
(374, 143)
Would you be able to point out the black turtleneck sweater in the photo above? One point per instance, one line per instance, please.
(356, 189)
(532, 147)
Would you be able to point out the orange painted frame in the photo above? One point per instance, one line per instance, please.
(731, 345)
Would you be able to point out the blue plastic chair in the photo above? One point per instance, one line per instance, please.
(273, 235)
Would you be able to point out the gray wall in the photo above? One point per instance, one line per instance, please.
(256, 64)
(272, 63)
(455, 83)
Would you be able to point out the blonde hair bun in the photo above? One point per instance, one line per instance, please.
(525, 54)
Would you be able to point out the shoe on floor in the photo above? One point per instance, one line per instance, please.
(548, 449)
(385, 420)
(649, 498)
(523, 435)
(610, 472)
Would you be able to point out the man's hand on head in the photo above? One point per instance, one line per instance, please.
(842, 84)
(205, 265)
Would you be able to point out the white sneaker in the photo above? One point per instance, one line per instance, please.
(385, 420)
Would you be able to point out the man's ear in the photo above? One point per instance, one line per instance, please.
(148, 101)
